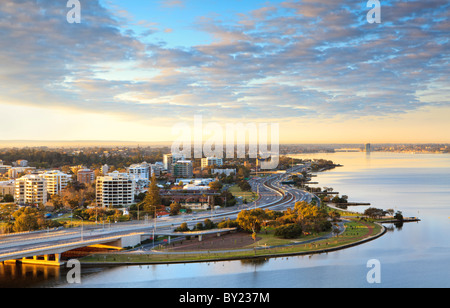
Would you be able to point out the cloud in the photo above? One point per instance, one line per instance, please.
(296, 59)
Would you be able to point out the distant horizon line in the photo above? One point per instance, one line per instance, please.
(137, 143)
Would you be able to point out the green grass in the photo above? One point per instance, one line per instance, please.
(355, 231)
(236, 191)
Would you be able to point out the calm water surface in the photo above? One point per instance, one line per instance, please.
(416, 255)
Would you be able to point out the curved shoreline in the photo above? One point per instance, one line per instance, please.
(382, 231)
(219, 259)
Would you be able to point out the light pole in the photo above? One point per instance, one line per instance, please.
(82, 224)
(138, 205)
(154, 224)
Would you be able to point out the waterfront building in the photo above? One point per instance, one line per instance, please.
(211, 161)
(30, 189)
(367, 147)
(115, 190)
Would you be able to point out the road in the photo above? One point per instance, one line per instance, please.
(272, 195)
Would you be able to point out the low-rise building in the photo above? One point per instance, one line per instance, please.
(227, 172)
(7, 188)
(211, 161)
(85, 176)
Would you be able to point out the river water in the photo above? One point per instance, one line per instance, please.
(415, 255)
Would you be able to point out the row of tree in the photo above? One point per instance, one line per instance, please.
(27, 219)
(291, 223)
(54, 158)
(305, 217)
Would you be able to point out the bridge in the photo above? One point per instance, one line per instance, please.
(49, 247)
(49, 251)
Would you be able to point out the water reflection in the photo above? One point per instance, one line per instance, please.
(397, 226)
(254, 262)
(27, 275)
(418, 256)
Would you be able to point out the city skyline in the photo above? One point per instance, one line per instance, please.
(132, 70)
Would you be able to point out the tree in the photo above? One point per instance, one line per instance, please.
(335, 215)
(152, 199)
(182, 228)
(398, 216)
(228, 224)
(27, 219)
(57, 202)
(244, 185)
(311, 217)
(390, 212)
(251, 220)
(6, 211)
(216, 185)
(373, 212)
(288, 231)
(175, 208)
(8, 198)
(208, 224)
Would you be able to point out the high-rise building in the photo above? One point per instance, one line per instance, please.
(156, 168)
(31, 189)
(182, 169)
(85, 176)
(170, 159)
(56, 181)
(367, 147)
(211, 161)
(115, 190)
(140, 171)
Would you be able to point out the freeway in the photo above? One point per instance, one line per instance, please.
(272, 195)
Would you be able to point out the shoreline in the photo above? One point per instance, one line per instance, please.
(382, 232)
(242, 254)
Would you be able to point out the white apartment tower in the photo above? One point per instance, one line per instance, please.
(115, 190)
(30, 189)
(140, 171)
(56, 181)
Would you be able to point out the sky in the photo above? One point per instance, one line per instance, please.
(132, 70)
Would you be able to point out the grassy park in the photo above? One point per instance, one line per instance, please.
(247, 196)
(265, 245)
